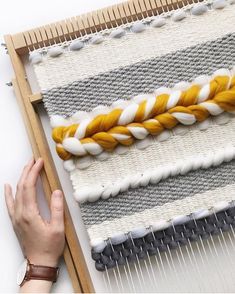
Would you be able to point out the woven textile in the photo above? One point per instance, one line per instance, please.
(141, 77)
(132, 48)
(151, 216)
(187, 166)
(135, 162)
(167, 191)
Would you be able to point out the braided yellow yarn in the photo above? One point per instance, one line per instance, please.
(106, 131)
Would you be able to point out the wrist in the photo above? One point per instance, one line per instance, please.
(43, 260)
(36, 286)
(29, 271)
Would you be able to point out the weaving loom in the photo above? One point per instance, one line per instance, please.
(142, 116)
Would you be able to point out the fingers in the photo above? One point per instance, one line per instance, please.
(20, 185)
(24, 174)
(29, 195)
(57, 210)
(9, 200)
(33, 174)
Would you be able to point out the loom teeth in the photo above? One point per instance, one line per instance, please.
(158, 21)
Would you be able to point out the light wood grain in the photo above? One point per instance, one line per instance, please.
(69, 29)
(73, 254)
(95, 21)
(35, 98)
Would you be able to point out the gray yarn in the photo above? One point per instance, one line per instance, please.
(175, 188)
(125, 82)
(161, 241)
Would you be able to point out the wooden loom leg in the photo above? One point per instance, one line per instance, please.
(73, 254)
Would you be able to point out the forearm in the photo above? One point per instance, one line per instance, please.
(36, 286)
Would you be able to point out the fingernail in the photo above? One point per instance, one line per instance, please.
(39, 160)
(58, 193)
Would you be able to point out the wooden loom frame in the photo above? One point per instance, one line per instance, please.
(20, 44)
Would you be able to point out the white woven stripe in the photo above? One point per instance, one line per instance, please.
(165, 212)
(132, 48)
(117, 168)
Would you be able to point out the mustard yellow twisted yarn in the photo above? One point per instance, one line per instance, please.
(106, 131)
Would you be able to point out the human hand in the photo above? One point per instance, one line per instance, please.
(42, 242)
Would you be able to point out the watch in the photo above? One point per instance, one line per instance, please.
(29, 271)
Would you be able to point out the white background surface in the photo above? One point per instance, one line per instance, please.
(15, 150)
(215, 274)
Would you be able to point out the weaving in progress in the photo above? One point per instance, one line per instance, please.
(142, 117)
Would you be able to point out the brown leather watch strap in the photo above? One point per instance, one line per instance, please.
(39, 272)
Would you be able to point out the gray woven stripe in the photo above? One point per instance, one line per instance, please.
(146, 76)
(172, 189)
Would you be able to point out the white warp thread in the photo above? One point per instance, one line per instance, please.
(132, 48)
(118, 173)
(154, 215)
(138, 26)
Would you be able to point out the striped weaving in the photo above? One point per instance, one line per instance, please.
(183, 168)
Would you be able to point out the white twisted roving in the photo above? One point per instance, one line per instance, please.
(181, 167)
(75, 147)
(99, 244)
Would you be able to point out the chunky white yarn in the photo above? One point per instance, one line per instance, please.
(162, 217)
(139, 232)
(75, 147)
(35, 57)
(118, 33)
(199, 9)
(53, 72)
(181, 167)
(135, 27)
(179, 15)
(130, 108)
(158, 22)
(55, 51)
(86, 161)
(219, 4)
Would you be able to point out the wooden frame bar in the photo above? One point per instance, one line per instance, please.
(91, 22)
(73, 255)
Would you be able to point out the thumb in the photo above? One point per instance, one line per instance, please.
(57, 209)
